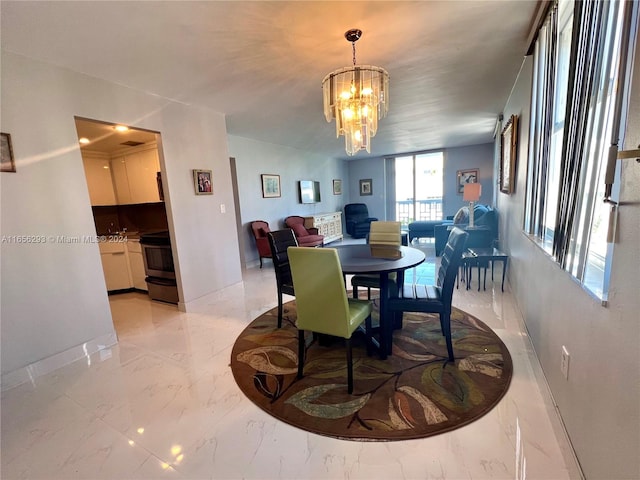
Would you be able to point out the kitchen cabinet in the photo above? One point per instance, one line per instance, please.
(136, 264)
(123, 265)
(328, 224)
(120, 180)
(97, 169)
(135, 176)
(115, 264)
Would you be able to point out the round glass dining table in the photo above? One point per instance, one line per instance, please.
(381, 260)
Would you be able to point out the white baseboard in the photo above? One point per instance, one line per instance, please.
(49, 364)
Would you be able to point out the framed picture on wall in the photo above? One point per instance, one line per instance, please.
(366, 187)
(203, 182)
(337, 187)
(270, 185)
(6, 155)
(508, 155)
(466, 176)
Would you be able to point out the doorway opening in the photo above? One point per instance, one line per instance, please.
(124, 179)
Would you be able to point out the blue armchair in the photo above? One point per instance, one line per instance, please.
(357, 219)
(483, 216)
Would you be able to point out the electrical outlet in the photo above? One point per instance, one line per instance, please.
(564, 362)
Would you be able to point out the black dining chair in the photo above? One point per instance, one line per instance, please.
(279, 241)
(434, 298)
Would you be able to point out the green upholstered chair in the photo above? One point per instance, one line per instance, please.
(381, 233)
(279, 241)
(434, 298)
(322, 303)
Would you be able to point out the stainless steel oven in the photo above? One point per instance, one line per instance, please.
(158, 266)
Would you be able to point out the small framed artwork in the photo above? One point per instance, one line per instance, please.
(270, 185)
(337, 187)
(366, 187)
(203, 182)
(6, 153)
(508, 155)
(466, 176)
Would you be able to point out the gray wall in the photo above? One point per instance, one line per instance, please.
(465, 158)
(54, 298)
(600, 401)
(254, 158)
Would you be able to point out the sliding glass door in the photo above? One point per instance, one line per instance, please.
(418, 187)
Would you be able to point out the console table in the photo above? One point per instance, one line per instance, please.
(328, 224)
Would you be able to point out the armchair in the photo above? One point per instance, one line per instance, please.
(260, 229)
(484, 236)
(357, 219)
(306, 237)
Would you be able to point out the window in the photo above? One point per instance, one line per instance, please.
(418, 187)
(576, 113)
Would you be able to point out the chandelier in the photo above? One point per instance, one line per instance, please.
(356, 97)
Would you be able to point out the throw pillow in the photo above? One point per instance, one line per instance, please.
(461, 216)
(299, 230)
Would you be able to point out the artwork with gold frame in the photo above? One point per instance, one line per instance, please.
(203, 182)
(508, 155)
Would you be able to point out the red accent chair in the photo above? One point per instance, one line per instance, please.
(307, 237)
(260, 229)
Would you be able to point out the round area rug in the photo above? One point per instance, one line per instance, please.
(414, 393)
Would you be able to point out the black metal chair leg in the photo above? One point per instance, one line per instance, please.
(280, 309)
(349, 367)
(300, 352)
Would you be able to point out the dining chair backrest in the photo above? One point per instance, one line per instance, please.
(321, 298)
(450, 263)
(385, 233)
(280, 241)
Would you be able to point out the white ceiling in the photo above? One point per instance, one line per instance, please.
(452, 63)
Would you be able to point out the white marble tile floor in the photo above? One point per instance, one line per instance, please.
(163, 404)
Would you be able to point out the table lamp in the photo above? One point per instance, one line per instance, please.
(471, 194)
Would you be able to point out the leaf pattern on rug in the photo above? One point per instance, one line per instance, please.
(454, 389)
(432, 413)
(304, 399)
(419, 357)
(413, 393)
(473, 341)
(398, 405)
(270, 360)
(268, 385)
(277, 337)
(487, 363)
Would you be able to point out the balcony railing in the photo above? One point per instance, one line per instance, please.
(408, 211)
